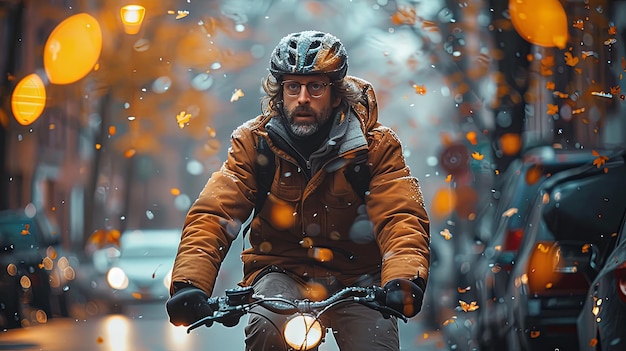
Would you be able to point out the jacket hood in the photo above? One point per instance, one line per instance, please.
(367, 109)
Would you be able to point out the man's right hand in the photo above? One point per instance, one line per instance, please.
(187, 306)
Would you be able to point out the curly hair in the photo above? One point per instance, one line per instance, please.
(342, 88)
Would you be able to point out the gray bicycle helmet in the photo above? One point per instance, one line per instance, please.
(309, 52)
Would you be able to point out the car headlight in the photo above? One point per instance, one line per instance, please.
(117, 278)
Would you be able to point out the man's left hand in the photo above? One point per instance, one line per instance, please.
(404, 296)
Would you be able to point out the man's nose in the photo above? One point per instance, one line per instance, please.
(303, 96)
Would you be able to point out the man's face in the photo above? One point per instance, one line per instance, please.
(306, 112)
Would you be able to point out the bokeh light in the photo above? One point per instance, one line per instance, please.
(72, 49)
(29, 99)
(540, 22)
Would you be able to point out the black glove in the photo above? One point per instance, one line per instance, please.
(405, 296)
(188, 305)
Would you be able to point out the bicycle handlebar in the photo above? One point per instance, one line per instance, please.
(237, 302)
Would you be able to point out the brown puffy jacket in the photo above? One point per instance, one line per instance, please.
(307, 226)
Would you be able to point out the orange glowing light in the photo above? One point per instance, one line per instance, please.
(540, 22)
(28, 100)
(510, 143)
(72, 49)
(443, 202)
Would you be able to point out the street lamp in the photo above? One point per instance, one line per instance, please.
(132, 16)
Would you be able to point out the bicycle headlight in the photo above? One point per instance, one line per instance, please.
(303, 332)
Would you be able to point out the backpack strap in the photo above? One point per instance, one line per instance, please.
(265, 167)
(359, 176)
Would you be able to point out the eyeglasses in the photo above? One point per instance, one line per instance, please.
(315, 89)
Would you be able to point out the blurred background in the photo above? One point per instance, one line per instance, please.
(112, 118)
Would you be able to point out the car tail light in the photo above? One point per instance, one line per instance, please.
(513, 239)
(620, 279)
(558, 267)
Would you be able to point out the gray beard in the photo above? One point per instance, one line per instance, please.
(304, 130)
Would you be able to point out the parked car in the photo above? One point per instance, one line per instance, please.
(570, 225)
(516, 190)
(33, 269)
(137, 271)
(602, 322)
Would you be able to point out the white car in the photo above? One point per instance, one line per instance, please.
(138, 271)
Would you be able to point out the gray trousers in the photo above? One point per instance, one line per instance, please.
(355, 327)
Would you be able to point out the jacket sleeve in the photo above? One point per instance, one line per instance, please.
(215, 218)
(397, 210)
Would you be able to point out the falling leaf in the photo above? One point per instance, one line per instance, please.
(612, 30)
(236, 95)
(600, 160)
(446, 234)
(593, 342)
(112, 130)
(183, 118)
(585, 248)
(448, 178)
(468, 307)
(477, 156)
(471, 137)
(561, 95)
(404, 15)
(26, 229)
(578, 110)
(463, 290)
(450, 320)
(615, 90)
(579, 24)
(553, 109)
(550, 85)
(419, 89)
(570, 60)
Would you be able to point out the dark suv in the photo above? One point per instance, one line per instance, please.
(29, 288)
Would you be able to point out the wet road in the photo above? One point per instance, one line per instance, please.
(145, 328)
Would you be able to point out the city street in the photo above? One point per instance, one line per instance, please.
(145, 328)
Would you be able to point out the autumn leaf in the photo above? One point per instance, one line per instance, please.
(419, 89)
(183, 118)
(463, 290)
(468, 307)
(550, 85)
(236, 95)
(561, 95)
(448, 178)
(471, 137)
(404, 15)
(446, 234)
(612, 30)
(579, 24)
(570, 60)
(450, 320)
(600, 160)
(477, 156)
(616, 90)
(553, 109)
